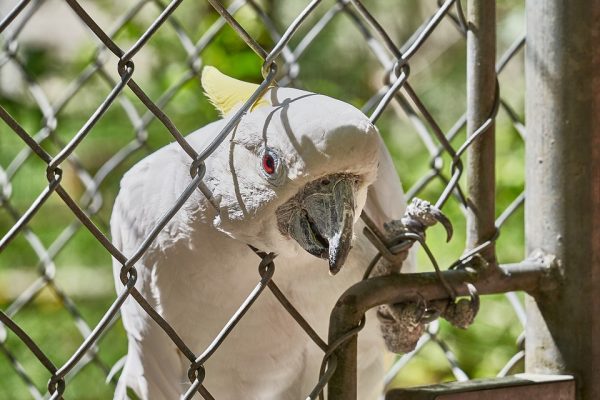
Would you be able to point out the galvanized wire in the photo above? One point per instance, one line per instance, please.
(396, 95)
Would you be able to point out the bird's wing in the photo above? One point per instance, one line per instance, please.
(148, 190)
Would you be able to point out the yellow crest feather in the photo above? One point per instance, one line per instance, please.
(225, 92)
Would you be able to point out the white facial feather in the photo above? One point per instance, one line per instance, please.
(314, 136)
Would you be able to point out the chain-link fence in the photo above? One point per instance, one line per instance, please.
(57, 77)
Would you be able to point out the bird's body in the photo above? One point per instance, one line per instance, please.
(200, 269)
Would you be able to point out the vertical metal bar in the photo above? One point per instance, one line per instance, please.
(481, 93)
(342, 385)
(563, 186)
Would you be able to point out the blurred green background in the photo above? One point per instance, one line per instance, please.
(55, 48)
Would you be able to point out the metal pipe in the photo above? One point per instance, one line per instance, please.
(481, 97)
(530, 276)
(562, 211)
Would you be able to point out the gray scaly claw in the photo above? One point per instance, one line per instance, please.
(420, 215)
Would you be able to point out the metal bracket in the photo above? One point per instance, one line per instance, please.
(517, 387)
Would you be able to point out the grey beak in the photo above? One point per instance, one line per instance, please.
(321, 217)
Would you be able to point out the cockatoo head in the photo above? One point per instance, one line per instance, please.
(294, 175)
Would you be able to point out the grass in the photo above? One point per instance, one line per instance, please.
(53, 328)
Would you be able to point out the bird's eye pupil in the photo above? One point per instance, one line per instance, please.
(268, 164)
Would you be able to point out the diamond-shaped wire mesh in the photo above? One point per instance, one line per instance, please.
(87, 89)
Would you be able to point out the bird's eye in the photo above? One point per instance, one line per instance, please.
(272, 166)
(268, 163)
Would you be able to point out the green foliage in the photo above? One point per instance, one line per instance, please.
(52, 327)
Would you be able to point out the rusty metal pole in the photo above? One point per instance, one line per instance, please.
(529, 275)
(481, 95)
(563, 186)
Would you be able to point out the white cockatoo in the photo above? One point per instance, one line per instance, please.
(293, 178)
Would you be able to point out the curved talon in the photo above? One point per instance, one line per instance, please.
(431, 314)
(426, 314)
(442, 219)
(474, 297)
(422, 305)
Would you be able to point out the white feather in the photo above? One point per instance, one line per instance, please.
(199, 269)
